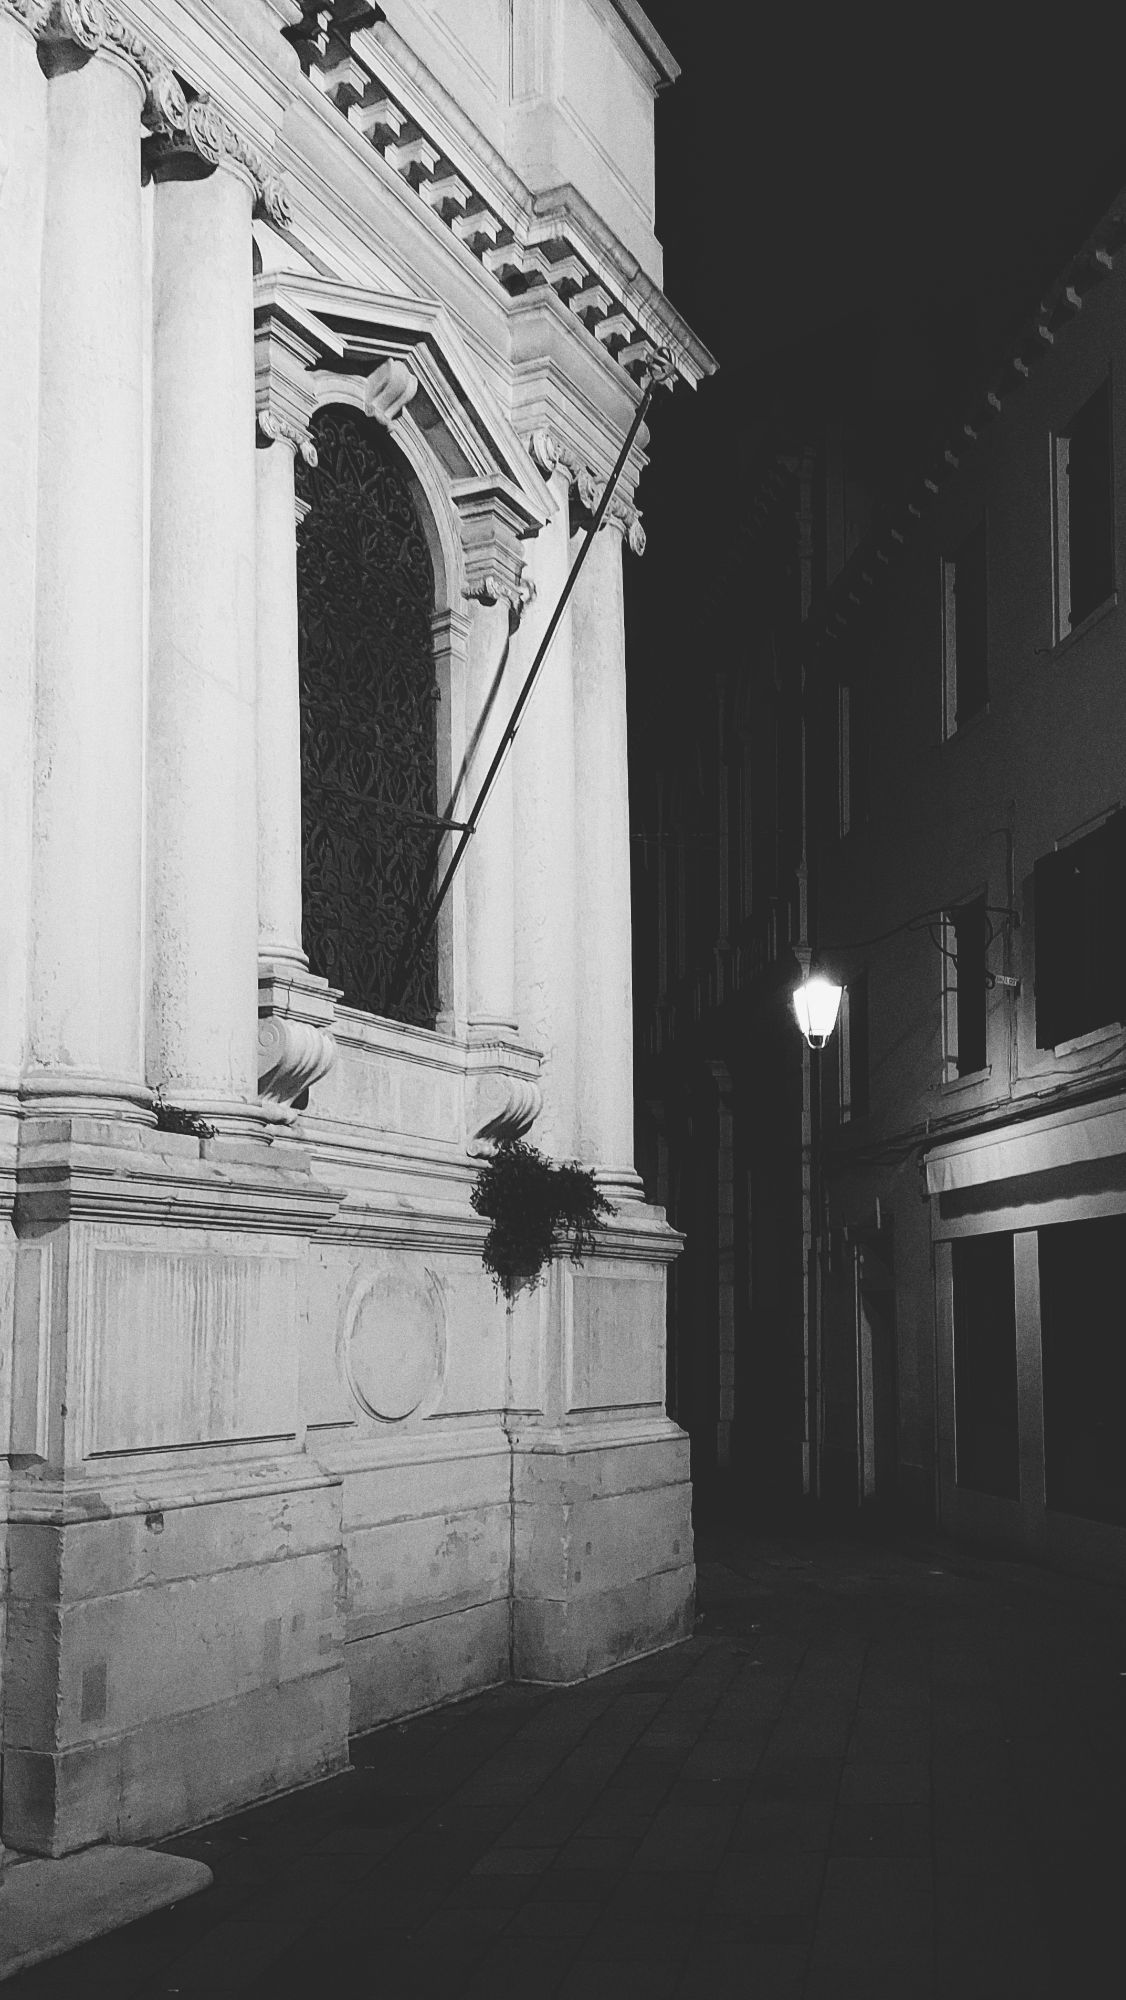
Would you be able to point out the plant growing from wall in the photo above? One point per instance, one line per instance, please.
(530, 1202)
(174, 1118)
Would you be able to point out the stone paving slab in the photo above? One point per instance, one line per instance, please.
(877, 1769)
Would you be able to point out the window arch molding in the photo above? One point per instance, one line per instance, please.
(477, 493)
(429, 489)
(483, 494)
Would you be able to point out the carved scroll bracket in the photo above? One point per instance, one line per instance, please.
(283, 391)
(296, 1046)
(501, 1106)
(492, 589)
(388, 390)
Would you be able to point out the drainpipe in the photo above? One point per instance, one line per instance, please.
(810, 1270)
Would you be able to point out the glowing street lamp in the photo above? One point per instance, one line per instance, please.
(816, 1005)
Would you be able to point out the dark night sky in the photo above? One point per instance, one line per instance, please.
(852, 194)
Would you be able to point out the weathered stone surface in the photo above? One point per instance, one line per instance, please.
(419, 1665)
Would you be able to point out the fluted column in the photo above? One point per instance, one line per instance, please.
(23, 182)
(84, 1001)
(203, 891)
(604, 972)
(490, 864)
(543, 819)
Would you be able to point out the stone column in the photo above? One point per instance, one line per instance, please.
(490, 864)
(604, 973)
(23, 182)
(86, 900)
(543, 761)
(203, 890)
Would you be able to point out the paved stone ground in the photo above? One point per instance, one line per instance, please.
(877, 1770)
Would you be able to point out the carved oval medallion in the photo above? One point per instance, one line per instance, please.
(395, 1345)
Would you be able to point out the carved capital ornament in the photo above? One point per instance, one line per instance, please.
(281, 430)
(492, 589)
(182, 127)
(552, 454)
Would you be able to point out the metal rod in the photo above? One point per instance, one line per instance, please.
(409, 959)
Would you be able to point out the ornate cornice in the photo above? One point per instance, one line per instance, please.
(355, 58)
(552, 454)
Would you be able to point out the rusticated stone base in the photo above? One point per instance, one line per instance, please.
(603, 1563)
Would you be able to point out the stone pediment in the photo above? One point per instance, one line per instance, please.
(444, 410)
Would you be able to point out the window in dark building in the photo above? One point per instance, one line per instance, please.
(985, 1366)
(1080, 945)
(966, 933)
(852, 1050)
(965, 636)
(853, 784)
(1084, 469)
(1083, 1344)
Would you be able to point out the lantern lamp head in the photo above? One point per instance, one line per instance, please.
(816, 1005)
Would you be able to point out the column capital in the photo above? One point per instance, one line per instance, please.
(191, 138)
(95, 29)
(284, 395)
(492, 589)
(554, 454)
(627, 520)
(30, 14)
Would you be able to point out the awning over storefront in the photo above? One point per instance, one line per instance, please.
(1061, 1139)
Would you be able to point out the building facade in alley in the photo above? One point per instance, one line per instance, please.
(324, 327)
(917, 1238)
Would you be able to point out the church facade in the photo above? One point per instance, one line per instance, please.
(324, 328)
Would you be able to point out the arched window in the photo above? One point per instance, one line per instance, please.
(365, 585)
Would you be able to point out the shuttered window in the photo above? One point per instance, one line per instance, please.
(1085, 512)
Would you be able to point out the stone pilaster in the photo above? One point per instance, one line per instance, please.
(543, 806)
(295, 1007)
(203, 889)
(490, 863)
(604, 975)
(84, 981)
(284, 399)
(23, 183)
